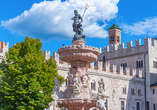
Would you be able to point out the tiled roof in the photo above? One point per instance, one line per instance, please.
(114, 26)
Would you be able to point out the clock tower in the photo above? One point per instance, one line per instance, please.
(114, 34)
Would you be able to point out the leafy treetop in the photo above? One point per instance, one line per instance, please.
(27, 79)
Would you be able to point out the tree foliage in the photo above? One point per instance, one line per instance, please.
(27, 79)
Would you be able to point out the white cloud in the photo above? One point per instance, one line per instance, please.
(52, 19)
(146, 27)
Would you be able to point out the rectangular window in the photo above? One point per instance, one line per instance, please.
(121, 65)
(122, 105)
(103, 60)
(138, 106)
(139, 92)
(132, 91)
(154, 107)
(136, 64)
(141, 63)
(92, 85)
(154, 64)
(147, 105)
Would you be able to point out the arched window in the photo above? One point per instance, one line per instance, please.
(139, 91)
(124, 90)
(93, 85)
(124, 65)
(112, 38)
(139, 63)
(118, 38)
(132, 91)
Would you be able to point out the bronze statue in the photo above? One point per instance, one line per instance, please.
(77, 26)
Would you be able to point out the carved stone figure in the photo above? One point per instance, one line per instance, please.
(77, 26)
(56, 95)
(94, 95)
(114, 96)
(57, 85)
(101, 84)
(70, 78)
(85, 79)
(53, 105)
(101, 103)
(76, 87)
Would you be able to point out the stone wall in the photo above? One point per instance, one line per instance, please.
(154, 97)
(4, 47)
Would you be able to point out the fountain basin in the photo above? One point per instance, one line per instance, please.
(77, 104)
(78, 52)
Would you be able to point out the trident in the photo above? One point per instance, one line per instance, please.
(86, 7)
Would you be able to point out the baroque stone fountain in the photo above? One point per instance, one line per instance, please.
(78, 96)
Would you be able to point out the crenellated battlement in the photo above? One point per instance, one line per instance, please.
(47, 54)
(60, 64)
(115, 70)
(4, 47)
(104, 69)
(118, 50)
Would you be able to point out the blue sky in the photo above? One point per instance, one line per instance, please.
(51, 21)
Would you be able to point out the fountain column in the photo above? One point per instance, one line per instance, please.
(78, 96)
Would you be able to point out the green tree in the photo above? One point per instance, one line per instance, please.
(27, 79)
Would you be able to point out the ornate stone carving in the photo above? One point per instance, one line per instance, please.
(85, 79)
(101, 84)
(114, 96)
(70, 79)
(57, 85)
(76, 87)
(100, 96)
(57, 94)
(101, 102)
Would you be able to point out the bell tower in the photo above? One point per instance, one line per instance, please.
(114, 34)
